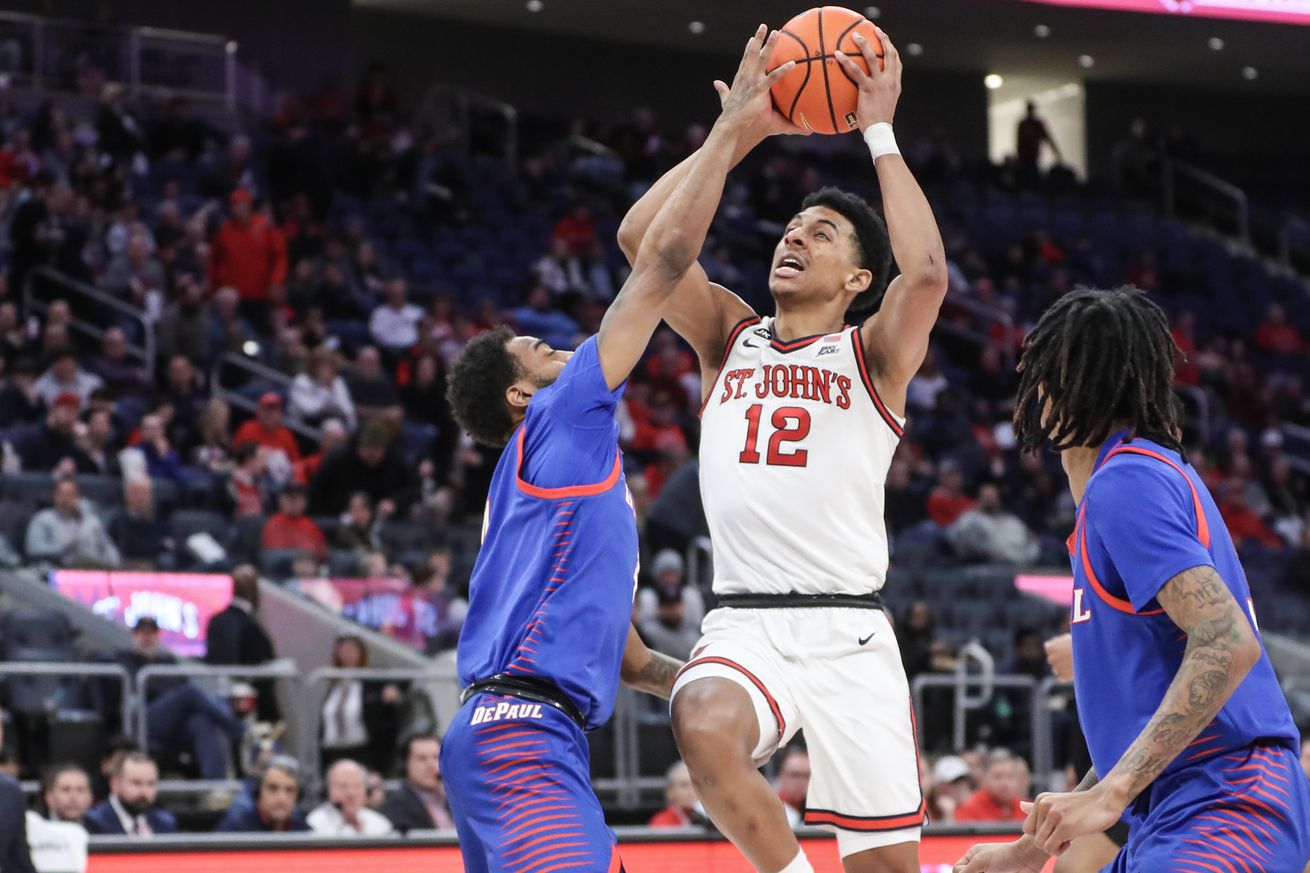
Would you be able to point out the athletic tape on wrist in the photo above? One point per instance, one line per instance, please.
(881, 140)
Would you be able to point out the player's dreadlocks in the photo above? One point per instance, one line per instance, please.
(1100, 359)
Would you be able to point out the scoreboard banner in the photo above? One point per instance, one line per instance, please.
(1275, 11)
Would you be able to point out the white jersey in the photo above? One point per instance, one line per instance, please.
(795, 447)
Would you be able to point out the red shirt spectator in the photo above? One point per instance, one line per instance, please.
(576, 230)
(1244, 524)
(1278, 337)
(290, 529)
(669, 817)
(248, 252)
(266, 429)
(948, 502)
(998, 798)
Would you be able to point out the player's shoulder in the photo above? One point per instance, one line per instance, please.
(1127, 478)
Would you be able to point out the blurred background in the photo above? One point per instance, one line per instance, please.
(244, 242)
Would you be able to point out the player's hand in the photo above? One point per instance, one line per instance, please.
(880, 88)
(1017, 857)
(748, 97)
(1056, 820)
(1059, 654)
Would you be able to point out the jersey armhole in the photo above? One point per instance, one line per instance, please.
(568, 490)
(733, 336)
(887, 415)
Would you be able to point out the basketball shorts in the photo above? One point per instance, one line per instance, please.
(836, 673)
(517, 776)
(1245, 812)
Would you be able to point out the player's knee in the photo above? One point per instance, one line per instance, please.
(713, 722)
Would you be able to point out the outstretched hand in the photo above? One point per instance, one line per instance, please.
(880, 88)
(747, 101)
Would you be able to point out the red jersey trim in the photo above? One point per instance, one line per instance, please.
(1118, 603)
(733, 335)
(797, 344)
(858, 342)
(773, 704)
(867, 824)
(568, 491)
(1202, 523)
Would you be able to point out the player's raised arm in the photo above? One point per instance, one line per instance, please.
(670, 247)
(897, 336)
(1221, 649)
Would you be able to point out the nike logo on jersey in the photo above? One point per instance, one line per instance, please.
(869, 637)
(760, 332)
(501, 711)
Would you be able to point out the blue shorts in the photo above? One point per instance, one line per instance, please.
(1244, 812)
(518, 778)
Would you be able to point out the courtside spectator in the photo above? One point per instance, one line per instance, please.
(668, 573)
(369, 463)
(142, 538)
(680, 794)
(950, 787)
(372, 389)
(66, 377)
(130, 809)
(289, 528)
(420, 802)
(276, 805)
(66, 792)
(375, 790)
(320, 393)
(235, 637)
(998, 798)
(671, 632)
(345, 813)
(267, 429)
(988, 533)
(793, 783)
(249, 254)
(69, 534)
(394, 324)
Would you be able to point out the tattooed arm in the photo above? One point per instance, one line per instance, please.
(1221, 649)
(648, 671)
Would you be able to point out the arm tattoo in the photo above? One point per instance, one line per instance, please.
(1089, 781)
(657, 676)
(1217, 658)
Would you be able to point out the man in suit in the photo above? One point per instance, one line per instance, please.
(275, 804)
(66, 789)
(14, 856)
(420, 803)
(130, 808)
(235, 637)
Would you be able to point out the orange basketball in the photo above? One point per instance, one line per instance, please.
(818, 94)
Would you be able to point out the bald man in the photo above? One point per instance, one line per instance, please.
(345, 812)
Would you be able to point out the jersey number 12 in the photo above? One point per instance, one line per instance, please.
(791, 424)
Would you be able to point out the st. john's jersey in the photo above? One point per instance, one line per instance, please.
(795, 447)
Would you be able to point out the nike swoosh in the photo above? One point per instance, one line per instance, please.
(748, 344)
(869, 637)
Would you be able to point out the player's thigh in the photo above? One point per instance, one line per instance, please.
(734, 654)
(519, 786)
(860, 733)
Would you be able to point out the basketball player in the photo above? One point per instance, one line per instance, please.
(1192, 742)
(800, 419)
(550, 605)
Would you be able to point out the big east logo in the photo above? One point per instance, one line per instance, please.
(788, 381)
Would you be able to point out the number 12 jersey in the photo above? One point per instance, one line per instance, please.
(795, 447)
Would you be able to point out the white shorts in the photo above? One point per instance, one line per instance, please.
(805, 669)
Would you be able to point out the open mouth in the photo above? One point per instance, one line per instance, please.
(788, 266)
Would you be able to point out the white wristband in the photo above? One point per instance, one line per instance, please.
(881, 140)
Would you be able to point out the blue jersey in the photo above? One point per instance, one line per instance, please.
(551, 592)
(1145, 517)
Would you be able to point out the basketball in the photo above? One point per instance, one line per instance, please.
(818, 94)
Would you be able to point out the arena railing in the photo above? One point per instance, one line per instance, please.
(254, 370)
(1208, 184)
(84, 297)
(1293, 239)
(456, 111)
(77, 670)
(53, 54)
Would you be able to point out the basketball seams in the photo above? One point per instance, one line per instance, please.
(827, 84)
(791, 110)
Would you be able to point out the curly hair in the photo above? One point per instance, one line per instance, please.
(873, 250)
(1099, 358)
(477, 387)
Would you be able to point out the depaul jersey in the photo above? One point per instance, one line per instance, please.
(1145, 517)
(551, 592)
(795, 446)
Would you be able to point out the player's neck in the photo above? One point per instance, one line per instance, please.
(791, 325)
(1079, 464)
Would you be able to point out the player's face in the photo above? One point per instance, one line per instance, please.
(540, 364)
(815, 261)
